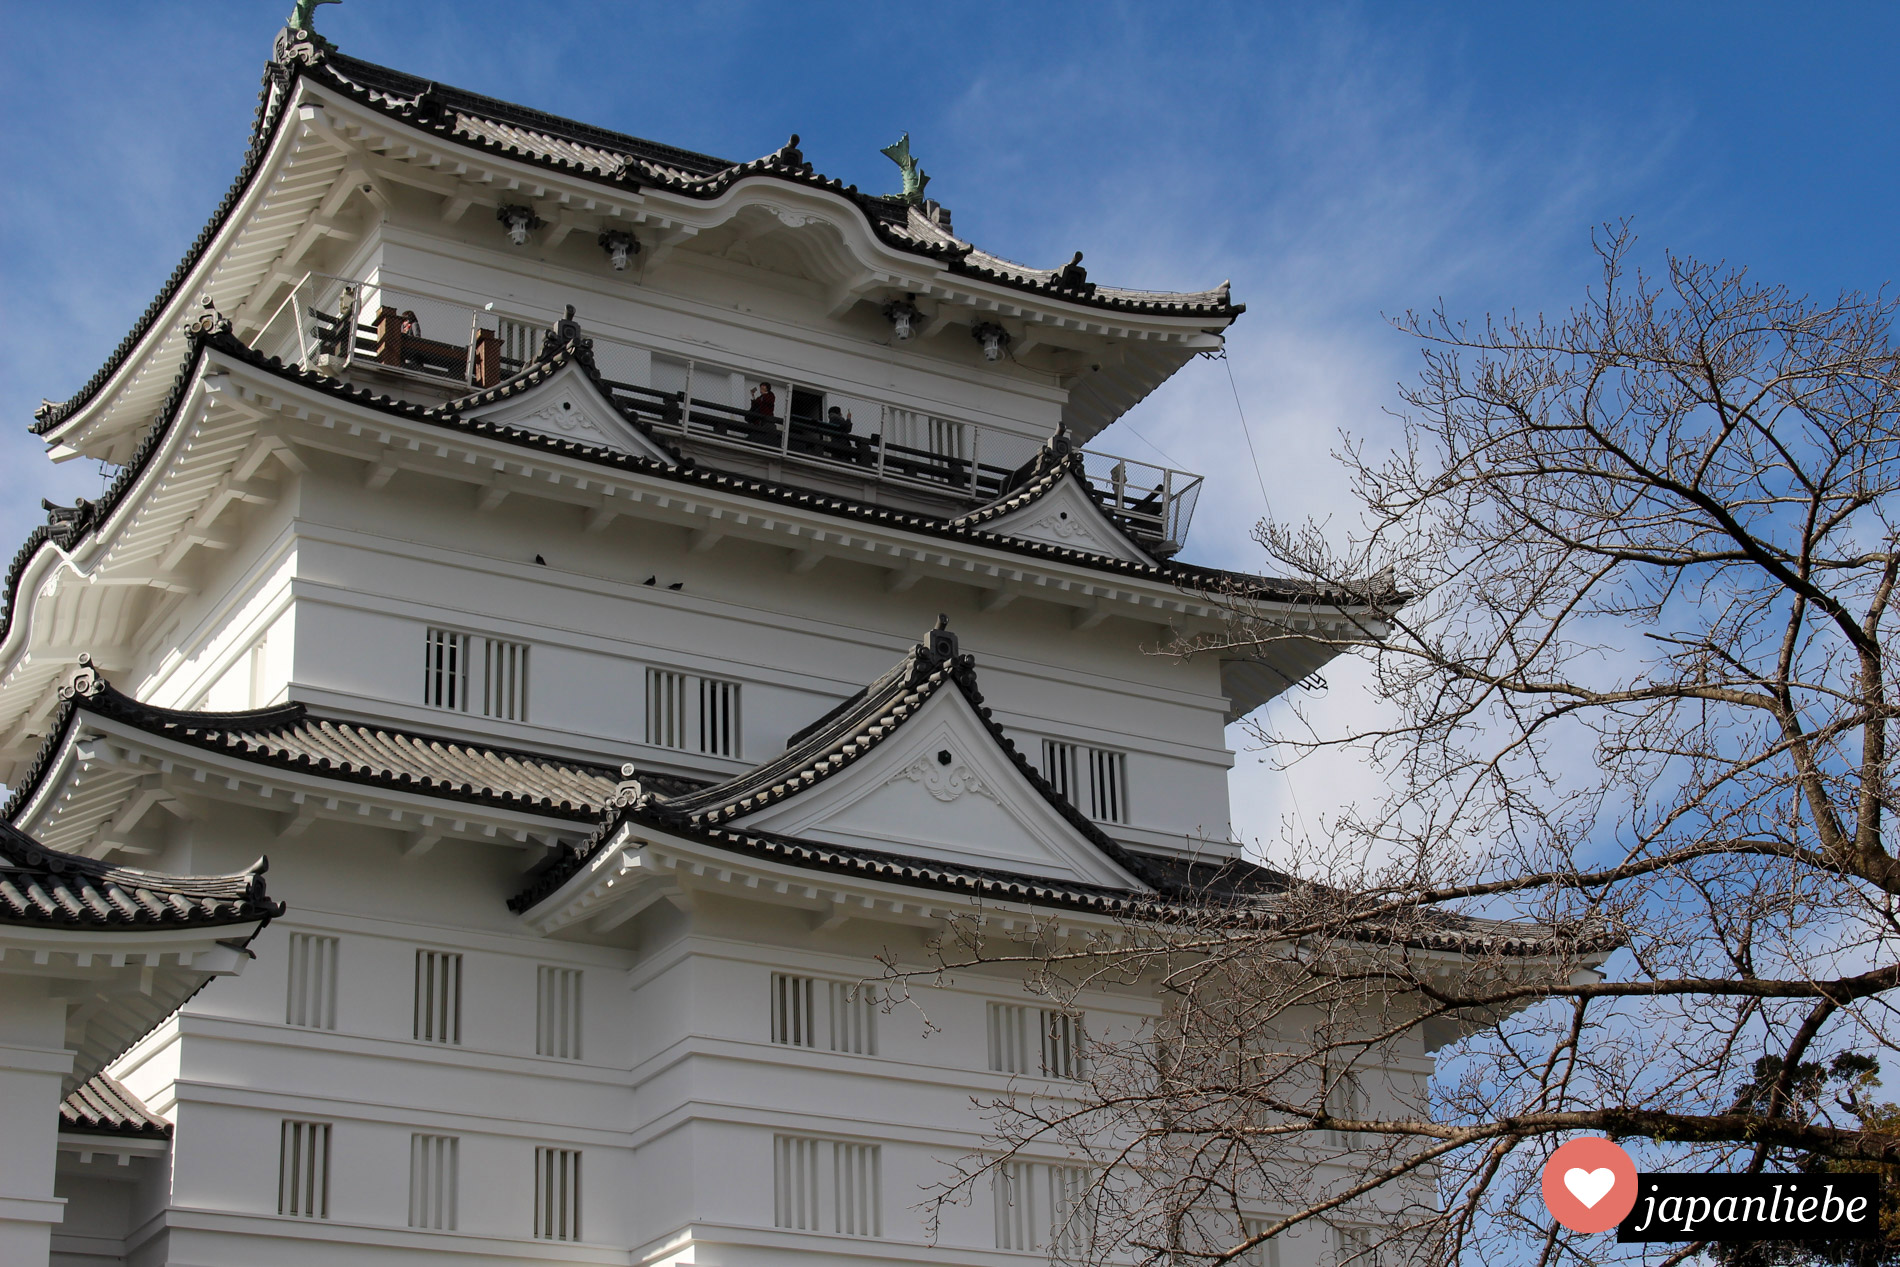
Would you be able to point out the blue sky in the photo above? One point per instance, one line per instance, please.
(1339, 163)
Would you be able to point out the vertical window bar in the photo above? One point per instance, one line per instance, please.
(558, 1021)
(438, 1010)
(310, 1000)
(303, 1170)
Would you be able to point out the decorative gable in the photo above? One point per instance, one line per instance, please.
(942, 787)
(567, 405)
(1067, 516)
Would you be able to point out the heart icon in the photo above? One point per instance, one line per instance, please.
(1589, 1186)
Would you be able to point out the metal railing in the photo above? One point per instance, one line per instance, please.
(337, 325)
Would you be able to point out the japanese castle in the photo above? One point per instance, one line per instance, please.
(623, 593)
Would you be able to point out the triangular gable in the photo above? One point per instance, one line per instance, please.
(913, 765)
(1049, 501)
(562, 400)
(943, 788)
(1066, 515)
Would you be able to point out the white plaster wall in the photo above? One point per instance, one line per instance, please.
(374, 570)
(724, 314)
(33, 1059)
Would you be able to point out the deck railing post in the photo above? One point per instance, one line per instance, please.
(976, 456)
(686, 400)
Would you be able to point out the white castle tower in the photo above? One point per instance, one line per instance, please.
(623, 592)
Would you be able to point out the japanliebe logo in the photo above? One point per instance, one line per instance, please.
(1589, 1184)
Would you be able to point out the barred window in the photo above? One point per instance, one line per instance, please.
(1352, 1246)
(1094, 780)
(445, 669)
(666, 708)
(1058, 766)
(1345, 1098)
(1108, 785)
(823, 1185)
(432, 1162)
(557, 1194)
(505, 679)
(792, 1011)
(718, 717)
(1041, 1040)
(1267, 1252)
(303, 1170)
(1042, 1206)
(438, 1016)
(558, 1023)
(843, 1012)
(310, 1000)
(697, 714)
(501, 688)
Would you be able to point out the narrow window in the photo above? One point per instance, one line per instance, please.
(310, 1000)
(1094, 780)
(844, 1013)
(432, 1181)
(1352, 1246)
(303, 1170)
(1345, 1098)
(1030, 1040)
(438, 996)
(1009, 1038)
(1267, 1252)
(445, 669)
(1108, 785)
(822, 1185)
(854, 1189)
(853, 1018)
(718, 717)
(505, 679)
(1041, 1206)
(1058, 766)
(695, 714)
(558, 1029)
(792, 1019)
(666, 708)
(795, 1182)
(1061, 1044)
(557, 1194)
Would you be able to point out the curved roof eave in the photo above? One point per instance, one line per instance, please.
(427, 110)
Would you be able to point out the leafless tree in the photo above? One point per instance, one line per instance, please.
(1629, 579)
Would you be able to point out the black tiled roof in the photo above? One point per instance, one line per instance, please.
(555, 356)
(851, 731)
(1037, 479)
(565, 144)
(102, 1106)
(290, 737)
(44, 888)
(524, 134)
(1180, 884)
(966, 528)
(1186, 575)
(396, 85)
(837, 740)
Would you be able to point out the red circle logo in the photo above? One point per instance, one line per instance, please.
(1590, 1184)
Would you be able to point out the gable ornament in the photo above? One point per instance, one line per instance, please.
(946, 781)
